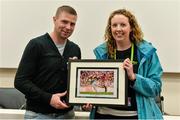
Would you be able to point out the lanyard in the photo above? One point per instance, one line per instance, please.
(132, 54)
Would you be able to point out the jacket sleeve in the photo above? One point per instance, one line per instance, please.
(26, 73)
(148, 80)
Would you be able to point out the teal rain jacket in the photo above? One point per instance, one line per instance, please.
(148, 79)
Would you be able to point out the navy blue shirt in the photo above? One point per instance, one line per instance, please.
(122, 55)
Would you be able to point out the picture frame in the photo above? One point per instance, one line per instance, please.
(98, 82)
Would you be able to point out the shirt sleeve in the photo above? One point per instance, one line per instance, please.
(26, 73)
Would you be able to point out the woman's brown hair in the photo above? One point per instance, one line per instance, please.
(136, 35)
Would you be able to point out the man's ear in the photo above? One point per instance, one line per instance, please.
(54, 19)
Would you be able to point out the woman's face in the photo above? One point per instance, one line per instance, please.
(120, 28)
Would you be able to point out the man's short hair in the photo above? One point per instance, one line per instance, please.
(66, 8)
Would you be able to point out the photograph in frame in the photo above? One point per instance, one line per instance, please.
(99, 82)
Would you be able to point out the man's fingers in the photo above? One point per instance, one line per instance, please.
(73, 58)
(62, 94)
(63, 105)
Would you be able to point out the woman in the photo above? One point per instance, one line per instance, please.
(124, 40)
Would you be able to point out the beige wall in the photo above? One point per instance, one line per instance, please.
(7, 77)
(170, 89)
(171, 93)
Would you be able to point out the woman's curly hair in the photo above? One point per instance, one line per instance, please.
(136, 35)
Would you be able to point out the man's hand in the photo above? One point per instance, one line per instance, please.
(73, 58)
(56, 101)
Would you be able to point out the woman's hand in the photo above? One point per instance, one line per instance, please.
(127, 64)
(87, 107)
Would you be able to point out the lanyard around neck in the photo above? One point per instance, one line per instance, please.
(132, 52)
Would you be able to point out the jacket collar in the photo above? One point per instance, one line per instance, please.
(145, 48)
(101, 51)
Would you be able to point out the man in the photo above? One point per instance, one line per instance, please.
(42, 72)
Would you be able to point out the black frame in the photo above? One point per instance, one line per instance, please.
(118, 95)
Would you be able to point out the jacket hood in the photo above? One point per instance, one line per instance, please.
(146, 48)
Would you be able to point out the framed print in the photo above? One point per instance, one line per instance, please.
(99, 82)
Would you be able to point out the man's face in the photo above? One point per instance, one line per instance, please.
(64, 24)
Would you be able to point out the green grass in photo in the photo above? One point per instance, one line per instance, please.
(97, 93)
